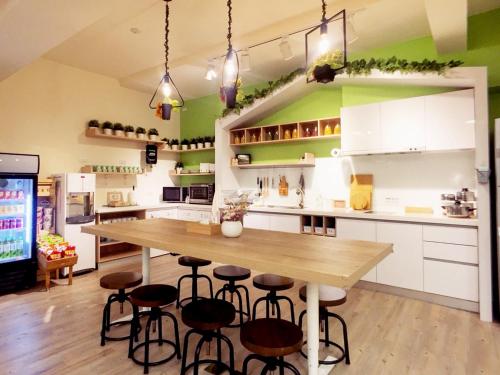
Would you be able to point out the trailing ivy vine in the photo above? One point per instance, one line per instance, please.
(353, 68)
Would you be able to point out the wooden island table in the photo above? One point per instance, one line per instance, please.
(313, 259)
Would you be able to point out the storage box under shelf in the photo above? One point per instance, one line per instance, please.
(318, 225)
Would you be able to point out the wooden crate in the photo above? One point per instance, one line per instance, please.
(47, 266)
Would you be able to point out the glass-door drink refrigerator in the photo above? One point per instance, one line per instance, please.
(18, 183)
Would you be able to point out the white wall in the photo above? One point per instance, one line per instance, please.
(399, 179)
(44, 109)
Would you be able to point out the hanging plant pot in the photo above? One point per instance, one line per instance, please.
(324, 73)
(230, 96)
(166, 111)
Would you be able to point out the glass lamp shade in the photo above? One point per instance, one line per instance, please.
(230, 76)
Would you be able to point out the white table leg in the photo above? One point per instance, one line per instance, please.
(312, 328)
(146, 265)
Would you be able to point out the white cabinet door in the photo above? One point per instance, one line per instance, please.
(364, 230)
(256, 221)
(404, 267)
(360, 129)
(449, 120)
(402, 125)
(451, 279)
(285, 223)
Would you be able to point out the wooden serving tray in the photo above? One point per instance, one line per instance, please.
(207, 229)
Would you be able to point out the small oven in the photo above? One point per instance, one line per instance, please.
(201, 193)
(175, 194)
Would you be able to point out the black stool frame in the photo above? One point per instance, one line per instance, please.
(207, 336)
(154, 315)
(273, 299)
(324, 314)
(120, 297)
(232, 289)
(194, 276)
(271, 364)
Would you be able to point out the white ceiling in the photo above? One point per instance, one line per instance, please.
(95, 35)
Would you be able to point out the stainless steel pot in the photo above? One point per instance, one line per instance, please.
(465, 195)
(448, 197)
(459, 210)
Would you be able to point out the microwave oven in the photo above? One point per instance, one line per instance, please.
(201, 193)
(175, 194)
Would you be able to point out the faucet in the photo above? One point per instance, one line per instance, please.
(300, 192)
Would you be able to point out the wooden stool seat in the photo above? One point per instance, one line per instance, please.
(154, 295)
(328, 295)
(268, 281)
(232, 273)
(271, 337)
(193, 262)
(208, 314)
(121, 280)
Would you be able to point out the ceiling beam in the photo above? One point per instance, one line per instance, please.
(448, 23)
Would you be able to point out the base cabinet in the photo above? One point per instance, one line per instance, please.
(274, 222)
(364, 230)
(404, 267)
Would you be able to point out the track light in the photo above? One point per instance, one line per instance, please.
(245, 61)
(286, 49)
(211, 72)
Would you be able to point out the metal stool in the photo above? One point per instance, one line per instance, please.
(117, 281)
(270, 340)
(273, 283)
(153, 296)
(194, 263)
(231, 274)
(206, 317)
(328, 296)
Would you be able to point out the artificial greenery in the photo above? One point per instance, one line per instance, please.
(207, 139)
(393, 64)
(140, 130)
(193, 141)
(129, 129)
(117, 126)
(200, 139)
(166, 140)
(153, 131)
(213, 140)
(174, 142)
(333, 58)
(107, 125)
(179, 164)
(93, 124)
(184, 142)
(353, 68)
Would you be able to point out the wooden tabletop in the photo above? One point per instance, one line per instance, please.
(311, 258)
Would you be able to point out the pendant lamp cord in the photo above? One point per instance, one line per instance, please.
(323, 9)
(167, 14)
(229, 23)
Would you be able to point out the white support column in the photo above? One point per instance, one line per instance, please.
(312, 328)
(146, 265)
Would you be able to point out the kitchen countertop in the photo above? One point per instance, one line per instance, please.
(375, 215)
(152, 207)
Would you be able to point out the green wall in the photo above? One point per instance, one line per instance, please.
(483, 50)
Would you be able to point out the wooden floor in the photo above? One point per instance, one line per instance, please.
(58, 332)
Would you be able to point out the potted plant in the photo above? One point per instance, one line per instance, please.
(199, 142)
(178, 167)
(129, 131)
(174, 143)
(167, 143)
(164, 109)
(107, 128)
(232, 216)
(118, 129)
(208, 142)
(213, 141)
(141, 132)
(325, 67)
(93, 125)
(192, 144)
(184, 144)
(153, 134)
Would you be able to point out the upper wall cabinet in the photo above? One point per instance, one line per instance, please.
(362, 133)
(426, 123)
(449, 121)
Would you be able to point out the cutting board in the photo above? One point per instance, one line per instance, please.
(361, 191)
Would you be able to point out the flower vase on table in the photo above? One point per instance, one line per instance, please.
(232, 216)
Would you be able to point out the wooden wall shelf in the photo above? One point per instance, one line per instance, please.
(310, 130)
(173, 174)
(183, 151)
(91, 133)
(275, 165)
(88, 169)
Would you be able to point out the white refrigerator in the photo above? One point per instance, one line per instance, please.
(75, 208)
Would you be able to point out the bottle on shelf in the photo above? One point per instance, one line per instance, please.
(294, 133)
(276, 135)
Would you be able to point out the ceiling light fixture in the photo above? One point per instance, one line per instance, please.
(230, 68)
(286, 49)
(166, 85)
(211, 72)
(245, 61)
(330, 55)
